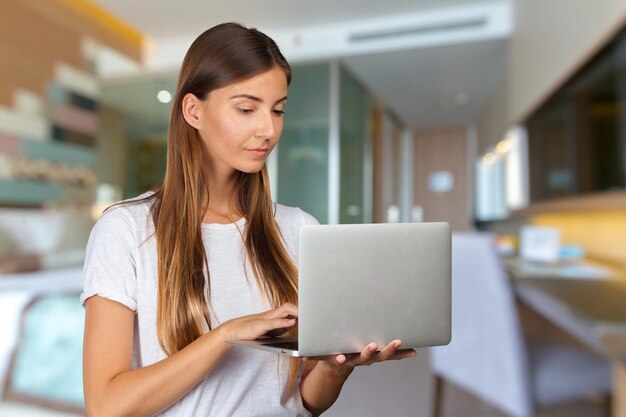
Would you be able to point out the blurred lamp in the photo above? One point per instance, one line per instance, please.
(106, 194)
(164, 96)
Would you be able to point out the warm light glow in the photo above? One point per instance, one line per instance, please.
(601, 233)
(106, 19)
(489, 158)
(516, 168)
(503, 146)
(164, 96)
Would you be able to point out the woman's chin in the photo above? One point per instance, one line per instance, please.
(252, 169)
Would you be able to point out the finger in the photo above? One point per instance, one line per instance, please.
(278, 324)
(403, 354)
(389, 350)
(286, 322)
(276, 332)
(366, 356)
(328, 358)
(289, 309)
(341, 359)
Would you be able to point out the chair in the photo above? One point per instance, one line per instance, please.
(488, 355)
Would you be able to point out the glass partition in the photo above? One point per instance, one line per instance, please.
(355, 112)
(302, 152)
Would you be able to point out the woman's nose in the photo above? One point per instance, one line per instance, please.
(266, 128)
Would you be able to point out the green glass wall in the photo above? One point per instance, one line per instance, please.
(303, 152)
(303, 148)
(354, 131)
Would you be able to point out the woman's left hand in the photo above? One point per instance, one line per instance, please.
(343, 364)
(323, 376)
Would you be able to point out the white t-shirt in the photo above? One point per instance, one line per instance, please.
(121, 265)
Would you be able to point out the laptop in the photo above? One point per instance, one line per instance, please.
(363, 283)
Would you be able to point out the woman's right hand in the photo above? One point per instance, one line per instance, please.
(113, 387)
(269, 323)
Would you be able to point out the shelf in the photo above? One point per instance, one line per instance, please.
(609, 200)
(59, 152)
(28, 193)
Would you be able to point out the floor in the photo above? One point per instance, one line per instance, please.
(396, 388)
(404, 388)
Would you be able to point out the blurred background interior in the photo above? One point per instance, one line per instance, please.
(506, 118)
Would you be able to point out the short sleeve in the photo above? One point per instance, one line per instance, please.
(307, 218)
(109, 269)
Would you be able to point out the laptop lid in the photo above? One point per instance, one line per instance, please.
(363, 283)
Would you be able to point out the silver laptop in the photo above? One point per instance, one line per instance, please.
(363, 283)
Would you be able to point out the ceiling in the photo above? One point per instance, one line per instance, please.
(424, 85)
(161, 19)
(439, 86)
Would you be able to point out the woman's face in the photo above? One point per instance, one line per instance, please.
(240, 123)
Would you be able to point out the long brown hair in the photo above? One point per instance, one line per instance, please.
(222, 55)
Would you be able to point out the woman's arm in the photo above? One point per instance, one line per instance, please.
(323, 379)
(112, 388)
(320, 386)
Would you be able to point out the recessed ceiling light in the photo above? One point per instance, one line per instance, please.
(164, 96)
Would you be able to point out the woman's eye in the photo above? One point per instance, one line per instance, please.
(279, 112)
(245, 110)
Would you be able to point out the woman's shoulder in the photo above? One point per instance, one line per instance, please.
(133, 213)
(286, 215)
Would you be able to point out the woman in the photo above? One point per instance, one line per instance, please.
(206, 258)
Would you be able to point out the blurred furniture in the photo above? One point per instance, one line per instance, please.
(41, 256)
(40, 333)
(591, 308)
(45, 367)
(489, 356)
(68, 279)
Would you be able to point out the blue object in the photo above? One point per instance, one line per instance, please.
(571, 252)
(48, 365)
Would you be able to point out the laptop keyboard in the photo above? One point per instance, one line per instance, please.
(284, 345)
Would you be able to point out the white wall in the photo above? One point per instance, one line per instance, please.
(494, 120)
(551, 40)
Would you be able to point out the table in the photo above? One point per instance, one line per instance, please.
(591, 308)
(45, 281)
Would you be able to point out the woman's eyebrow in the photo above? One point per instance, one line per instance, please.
(257, 99)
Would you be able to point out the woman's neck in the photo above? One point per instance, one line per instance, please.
(222, 206)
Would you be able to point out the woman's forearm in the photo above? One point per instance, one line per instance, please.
(149, 390)
(113, 389)
(321, 387)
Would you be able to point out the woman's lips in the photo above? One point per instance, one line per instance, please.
(259, 151)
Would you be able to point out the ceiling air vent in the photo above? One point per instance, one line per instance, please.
(427, 29)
